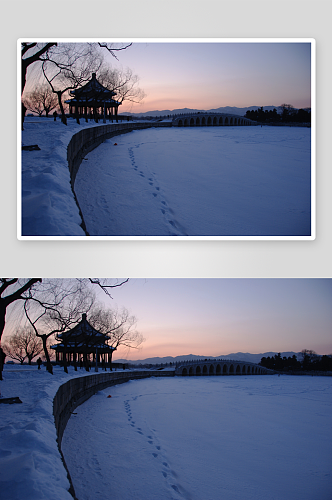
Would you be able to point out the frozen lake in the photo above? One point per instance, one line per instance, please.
(229, 438)
(205, 181)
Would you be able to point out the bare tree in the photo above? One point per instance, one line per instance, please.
(113, 48)
(106, 284)
(123, 82)
(41, 100)
(68, 66)
(31, 52)
(22, 345)
(56, 308)
(41, 298)
(11, 290)
(118, 325)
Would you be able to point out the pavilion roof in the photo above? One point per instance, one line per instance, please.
(82, 335)
(93, 89)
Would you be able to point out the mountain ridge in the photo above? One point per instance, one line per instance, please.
(224, 109)
(239, 356)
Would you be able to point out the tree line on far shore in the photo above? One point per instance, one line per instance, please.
(310, 361)
(287, 114)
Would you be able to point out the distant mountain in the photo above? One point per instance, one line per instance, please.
(238, 356)
(226, 109)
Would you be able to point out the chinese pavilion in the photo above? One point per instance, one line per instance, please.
(92, 97)
(82, 342)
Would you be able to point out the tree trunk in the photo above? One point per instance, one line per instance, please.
(49, 366)
(2, 316)
(24, 109)
(63, 115)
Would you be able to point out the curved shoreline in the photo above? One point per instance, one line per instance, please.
(87, 140)
(76, 391)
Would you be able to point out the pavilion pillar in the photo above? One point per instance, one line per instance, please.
(76, 114)
(116, 114)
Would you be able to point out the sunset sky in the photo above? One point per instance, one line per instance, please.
(211, 317)
(210, 74)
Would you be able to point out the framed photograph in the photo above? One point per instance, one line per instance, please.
(166, 139)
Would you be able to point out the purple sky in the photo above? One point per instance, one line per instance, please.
(207, 75)
(211, 317)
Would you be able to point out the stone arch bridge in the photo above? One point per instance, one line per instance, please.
(210, 119)
(220, 367)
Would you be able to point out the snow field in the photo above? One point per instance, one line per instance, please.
(205, 181)
(30, 462)
(48, 205)
(253, 437)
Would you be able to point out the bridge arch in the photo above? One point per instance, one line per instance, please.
(220, 367)
(209, 119)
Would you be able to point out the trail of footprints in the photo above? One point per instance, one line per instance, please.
(141, 173)
(165, 469)
(156, 191)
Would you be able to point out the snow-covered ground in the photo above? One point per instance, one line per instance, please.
(206, 181)
(30, 462)
(48, 204)
(252, 437)
(218, 181)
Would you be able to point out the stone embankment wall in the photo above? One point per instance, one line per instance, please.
(89, 138)
(77, 390)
